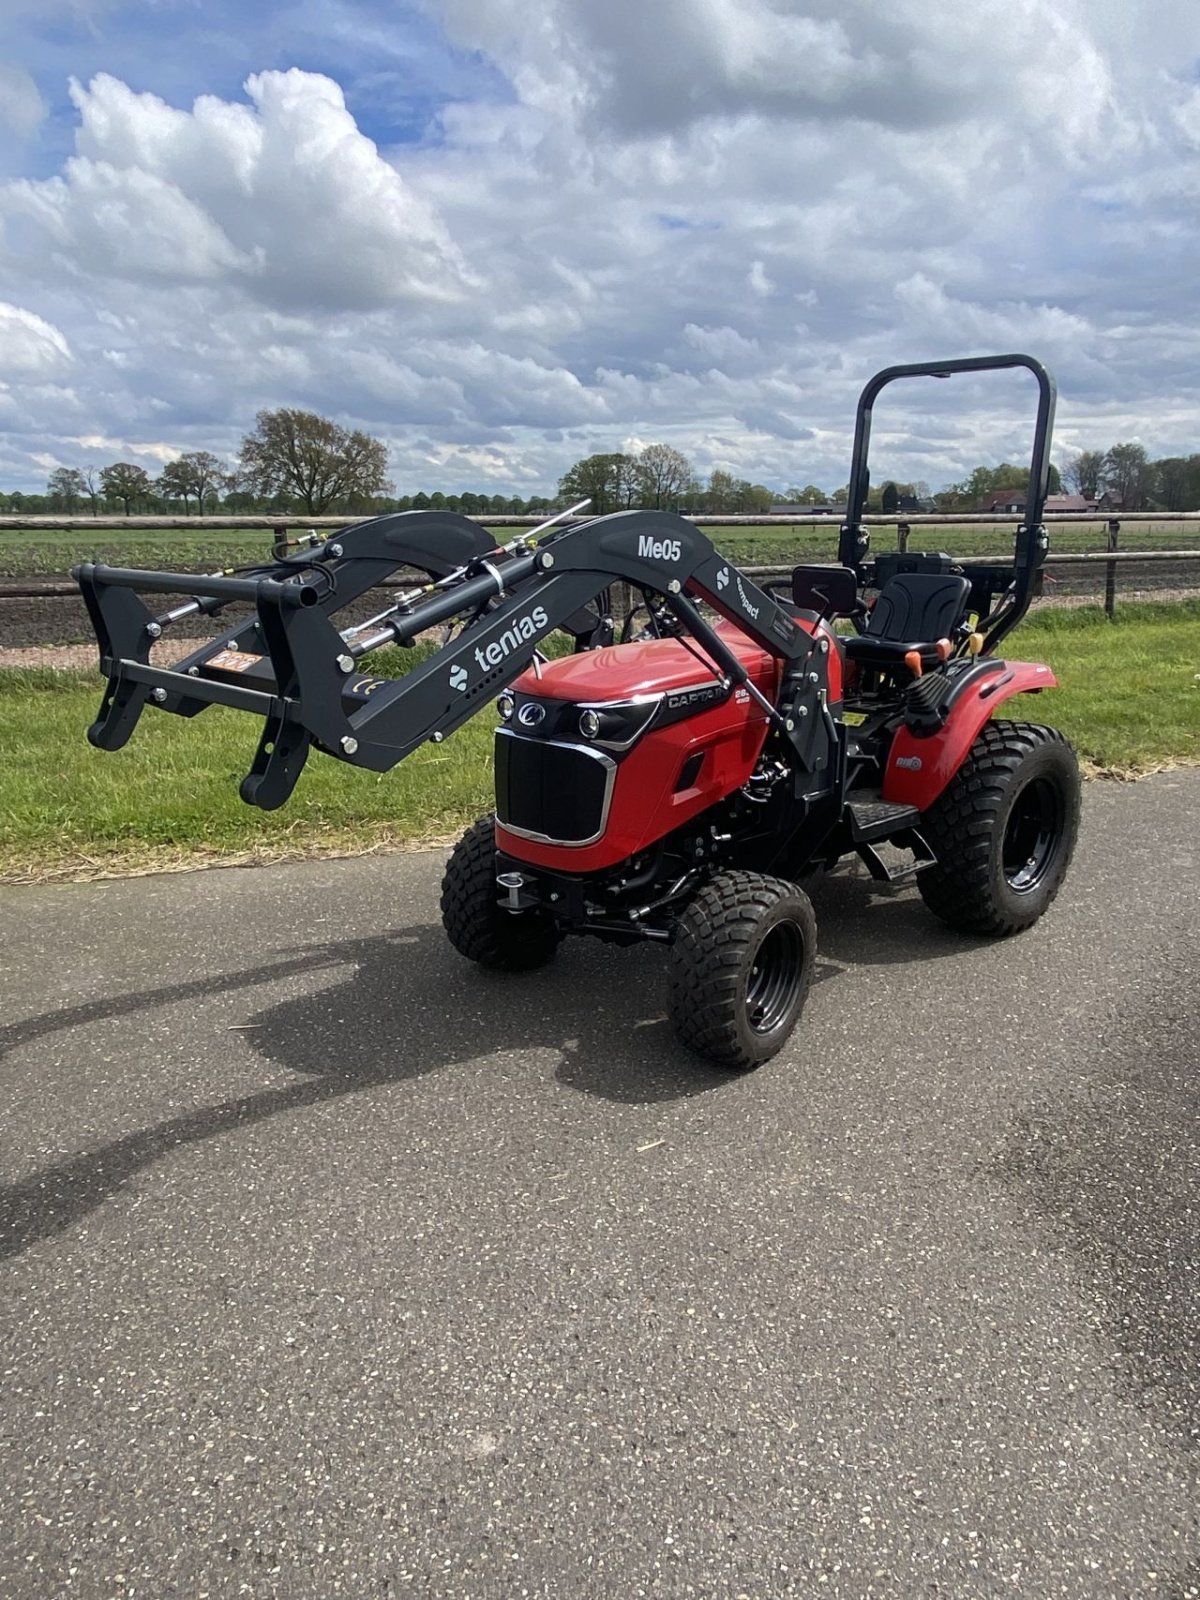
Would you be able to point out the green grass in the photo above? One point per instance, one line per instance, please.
(1130, 701)
(1129, 695)
(49, 552)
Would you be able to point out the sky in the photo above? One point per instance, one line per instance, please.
(504, 234)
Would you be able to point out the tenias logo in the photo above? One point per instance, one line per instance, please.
(659, 549)
(522, 630)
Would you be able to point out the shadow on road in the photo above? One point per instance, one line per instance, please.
(406, 1005)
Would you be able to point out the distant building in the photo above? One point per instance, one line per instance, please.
(789, 510)
(1070, 502)
(1013, 502)
(1006, 501)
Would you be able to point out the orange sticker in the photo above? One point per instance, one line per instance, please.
(233, 661)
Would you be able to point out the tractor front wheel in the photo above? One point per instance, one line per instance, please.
(740, 968)
(476, 925)
(1004, 830)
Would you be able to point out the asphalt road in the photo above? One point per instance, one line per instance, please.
(333, 1267)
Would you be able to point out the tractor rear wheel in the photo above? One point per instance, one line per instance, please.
(1003, 831)
(476, 924)
(740, 968)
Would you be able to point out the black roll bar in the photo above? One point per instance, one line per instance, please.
(1031, 542)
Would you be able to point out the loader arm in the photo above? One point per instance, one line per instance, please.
(292, 665)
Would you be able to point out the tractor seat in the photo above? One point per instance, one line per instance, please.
(913, 611)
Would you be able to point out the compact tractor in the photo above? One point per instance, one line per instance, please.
(677, 780)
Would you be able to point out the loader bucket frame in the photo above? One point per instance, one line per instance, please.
(292, 665)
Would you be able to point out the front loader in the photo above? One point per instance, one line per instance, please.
(677, 783)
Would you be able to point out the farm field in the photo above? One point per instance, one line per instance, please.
(47, 552)
(1129, 700)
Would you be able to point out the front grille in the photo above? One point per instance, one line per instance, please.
(550, 792)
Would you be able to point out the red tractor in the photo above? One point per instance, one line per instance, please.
(676, 785)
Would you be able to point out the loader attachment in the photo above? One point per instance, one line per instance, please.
(291, 663)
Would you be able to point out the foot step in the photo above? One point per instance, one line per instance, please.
(871, 818)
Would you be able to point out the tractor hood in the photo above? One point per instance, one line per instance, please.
(649, 667)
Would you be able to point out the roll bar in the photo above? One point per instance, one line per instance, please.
(1031, 541)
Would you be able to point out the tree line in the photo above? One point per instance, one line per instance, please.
(298, 462)
(292, 461)
(1126, 473)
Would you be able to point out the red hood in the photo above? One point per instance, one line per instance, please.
(651, 666)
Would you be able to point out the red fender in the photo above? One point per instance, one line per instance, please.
(918, 769)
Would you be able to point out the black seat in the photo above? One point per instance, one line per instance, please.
(914, 611)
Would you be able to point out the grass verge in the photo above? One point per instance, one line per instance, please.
(1130, 701)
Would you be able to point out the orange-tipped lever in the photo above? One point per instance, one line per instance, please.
(912, 661)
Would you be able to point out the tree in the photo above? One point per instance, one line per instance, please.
(1127, 475)
(1084, 473)
(318, 461)
(209, 475)
(987, 481)
(663, 474)
(890, 499)
(1176, 482)
(721, 490)
(602, 479)
(92, 487)
(756, 497)
(810, 495)
(176, 482)
(64, 487)
(124, 482)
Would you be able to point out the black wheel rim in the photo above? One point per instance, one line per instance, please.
(775, 976)
(1032, 835)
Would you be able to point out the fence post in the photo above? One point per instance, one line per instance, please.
(1110, 571)
(902, 533)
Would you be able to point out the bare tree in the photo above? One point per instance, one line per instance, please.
(92, 487)
(302, 454)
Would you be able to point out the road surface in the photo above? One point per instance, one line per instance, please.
(334, 1267)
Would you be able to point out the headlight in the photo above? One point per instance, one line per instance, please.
(505, 707)
(589, 724)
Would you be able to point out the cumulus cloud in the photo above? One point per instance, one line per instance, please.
(30, 347)
(640, 69)
(284, 198)
(705, 223)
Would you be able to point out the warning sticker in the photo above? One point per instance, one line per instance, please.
(233, 661)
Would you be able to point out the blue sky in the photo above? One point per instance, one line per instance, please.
(501, 234)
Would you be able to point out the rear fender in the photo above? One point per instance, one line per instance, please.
(919, 768)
